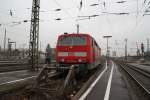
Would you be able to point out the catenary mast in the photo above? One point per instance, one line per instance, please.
(34, 35)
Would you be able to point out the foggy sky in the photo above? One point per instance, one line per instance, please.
(134, 27)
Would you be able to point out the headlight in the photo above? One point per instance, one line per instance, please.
(80, 60)
(62, 60)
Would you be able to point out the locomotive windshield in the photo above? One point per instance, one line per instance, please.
(72, 41)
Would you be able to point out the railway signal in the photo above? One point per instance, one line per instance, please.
(11, 14)
(142, 49)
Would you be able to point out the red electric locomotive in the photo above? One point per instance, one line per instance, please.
(78, 49)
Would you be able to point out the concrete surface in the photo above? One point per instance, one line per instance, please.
(110, 86)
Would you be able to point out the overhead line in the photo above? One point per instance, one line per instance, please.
(62, 8)
(139, 21)
(137, 14)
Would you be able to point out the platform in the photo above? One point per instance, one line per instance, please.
(110, 86)
(15, 79)
(15, 75)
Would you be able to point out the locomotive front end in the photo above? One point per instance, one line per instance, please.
(72, 49)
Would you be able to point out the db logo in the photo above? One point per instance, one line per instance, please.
(71, 54)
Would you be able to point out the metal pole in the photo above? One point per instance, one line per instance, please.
(5, 41)
(8, 44)
(9, 48)
(126, 49)
(40, 50)
(23, 50)
(15, 45)
(34, 35)
(147, 44)
(77, 28)
(107, 44)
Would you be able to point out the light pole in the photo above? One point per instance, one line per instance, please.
(78, 28)
(126, 49)
(15, 45)
(9, 47)
(148, 45)
(107, 36)
(83, 18)
(23, 49)
(5, 41)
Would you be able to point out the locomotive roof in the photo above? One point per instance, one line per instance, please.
(75, 34)
(80, 34)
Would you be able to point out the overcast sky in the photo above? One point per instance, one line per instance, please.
(134, 27)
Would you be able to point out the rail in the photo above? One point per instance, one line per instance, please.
(147, 91)
(140, 70)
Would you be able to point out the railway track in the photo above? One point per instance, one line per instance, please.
(14, 66)
(139, 77)
(57, 87)
(63, 86)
